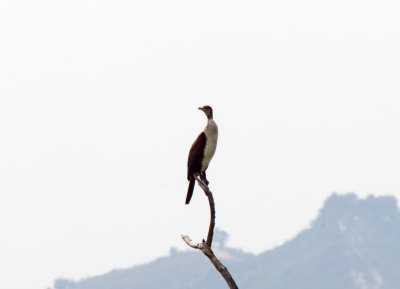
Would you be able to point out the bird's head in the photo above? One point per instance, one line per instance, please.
(207, 110)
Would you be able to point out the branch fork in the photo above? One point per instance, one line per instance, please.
(205, 245)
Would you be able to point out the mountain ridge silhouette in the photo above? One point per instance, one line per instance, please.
(353, 244)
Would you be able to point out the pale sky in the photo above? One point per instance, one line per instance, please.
(98, 109)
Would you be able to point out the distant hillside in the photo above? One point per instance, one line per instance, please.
(353, 244)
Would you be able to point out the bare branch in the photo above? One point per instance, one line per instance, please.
(205, 246)
(191, 243)
(221, 268)
(210, 197)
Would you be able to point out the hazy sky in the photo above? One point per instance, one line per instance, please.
(98, 109)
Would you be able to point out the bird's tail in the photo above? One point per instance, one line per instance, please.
(190, 190)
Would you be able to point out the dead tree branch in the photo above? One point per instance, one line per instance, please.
(205, 246)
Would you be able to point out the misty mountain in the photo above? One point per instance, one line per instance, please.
(353, 244)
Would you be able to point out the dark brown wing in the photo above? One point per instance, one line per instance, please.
(196, 155)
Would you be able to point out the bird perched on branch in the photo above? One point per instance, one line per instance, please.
(201, 152)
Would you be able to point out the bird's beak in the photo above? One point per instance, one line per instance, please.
(201, 108)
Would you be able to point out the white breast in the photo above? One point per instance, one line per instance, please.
(211, 132)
